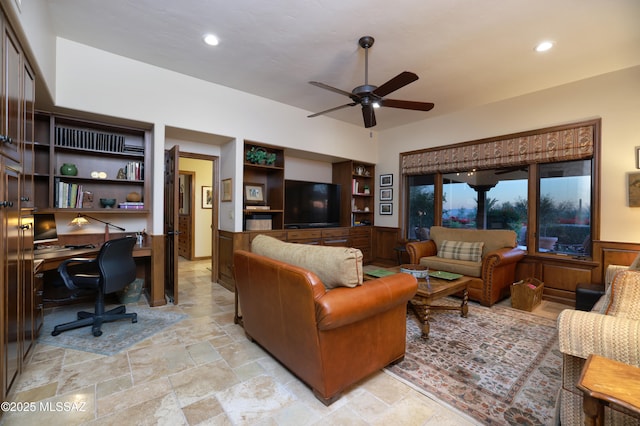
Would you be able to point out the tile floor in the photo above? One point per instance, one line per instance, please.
(203, 371)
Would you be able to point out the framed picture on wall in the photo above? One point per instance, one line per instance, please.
(386, 208)
(386, 194)
(207, 197)
(386, 180)
(226, 190)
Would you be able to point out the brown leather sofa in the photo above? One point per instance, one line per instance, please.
(492, 273)
(330, 339)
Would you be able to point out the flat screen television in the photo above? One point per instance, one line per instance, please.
(44, 228)
(311, 204)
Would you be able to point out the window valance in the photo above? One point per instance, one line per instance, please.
(543, 146)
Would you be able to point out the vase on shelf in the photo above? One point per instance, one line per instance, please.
(68, 169)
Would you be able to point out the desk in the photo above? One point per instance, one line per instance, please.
(51, 260)
(606, 381)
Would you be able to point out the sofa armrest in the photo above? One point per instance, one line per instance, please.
(502, 257)
(343, 305)
(420, 249)
(583, 333)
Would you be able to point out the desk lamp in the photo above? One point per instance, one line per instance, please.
(81, 220)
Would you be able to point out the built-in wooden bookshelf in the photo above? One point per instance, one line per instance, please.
(357, 197)
(110, 160)
(265, 173)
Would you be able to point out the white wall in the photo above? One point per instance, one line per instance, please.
(614, 97)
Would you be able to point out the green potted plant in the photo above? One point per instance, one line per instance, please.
(256, 155)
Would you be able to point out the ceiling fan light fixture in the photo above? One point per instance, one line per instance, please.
(211, 39)
(376, 104)
(544, 46)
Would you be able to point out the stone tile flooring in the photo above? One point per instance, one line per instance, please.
(203, 371)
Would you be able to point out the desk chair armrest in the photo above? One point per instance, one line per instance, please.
(64, 273)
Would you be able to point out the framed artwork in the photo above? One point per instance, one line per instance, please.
(386, 194)
(254, 193)
(207, 197)
(634, 189)
(386, 180)
(638, 157)
(386, 208)
(226, 190)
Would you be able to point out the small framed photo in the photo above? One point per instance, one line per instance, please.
(386, 194)
(386, 208)
(637, 157)
(254, 193)
(226, 190)
(386, 180)
(207, 197)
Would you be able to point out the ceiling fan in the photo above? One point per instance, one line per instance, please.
(370, 96)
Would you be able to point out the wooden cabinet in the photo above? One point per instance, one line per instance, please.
(109, 161)
(357, 196)
(16, 272)
(263, 191)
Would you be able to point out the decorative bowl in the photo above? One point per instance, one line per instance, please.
(107, 203)
(417, 271)
(134, 197)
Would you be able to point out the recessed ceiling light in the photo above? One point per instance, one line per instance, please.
(544, 46)
(211, 40)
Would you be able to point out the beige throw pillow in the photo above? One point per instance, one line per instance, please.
(335, 266)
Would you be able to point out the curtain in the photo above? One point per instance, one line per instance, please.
(572, 142)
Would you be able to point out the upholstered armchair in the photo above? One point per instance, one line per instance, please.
(612, 330)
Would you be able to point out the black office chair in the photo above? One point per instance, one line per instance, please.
(112, 270)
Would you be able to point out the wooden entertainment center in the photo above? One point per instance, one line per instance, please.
(356, 179)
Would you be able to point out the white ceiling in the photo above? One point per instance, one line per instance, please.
(466, 53)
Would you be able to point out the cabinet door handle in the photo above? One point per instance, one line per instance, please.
(6, 203)
(25, 226)
(6, 139)
(24, 198)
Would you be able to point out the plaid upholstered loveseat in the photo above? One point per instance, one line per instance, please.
(489, 256)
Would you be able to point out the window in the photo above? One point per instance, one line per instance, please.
(487, 199)
(421, 206)
(564, 208)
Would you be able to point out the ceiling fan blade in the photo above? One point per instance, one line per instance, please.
(369, 116)
(331, 109)
(418, 106)
(395, 83)
(333, 89)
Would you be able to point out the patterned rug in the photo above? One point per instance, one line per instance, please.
(499, 365)
(116, 336)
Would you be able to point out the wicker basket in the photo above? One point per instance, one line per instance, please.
(526, 294)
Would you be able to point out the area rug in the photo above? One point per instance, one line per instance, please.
(500, 366)
(116, 336)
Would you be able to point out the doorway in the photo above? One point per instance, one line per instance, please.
(198, 210)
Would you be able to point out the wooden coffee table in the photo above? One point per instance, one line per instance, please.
(434, 289)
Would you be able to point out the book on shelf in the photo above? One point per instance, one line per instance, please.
(68, 195)
(258, 207)
(131, 205)
(134, 170)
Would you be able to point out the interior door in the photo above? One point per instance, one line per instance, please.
(171, 224)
